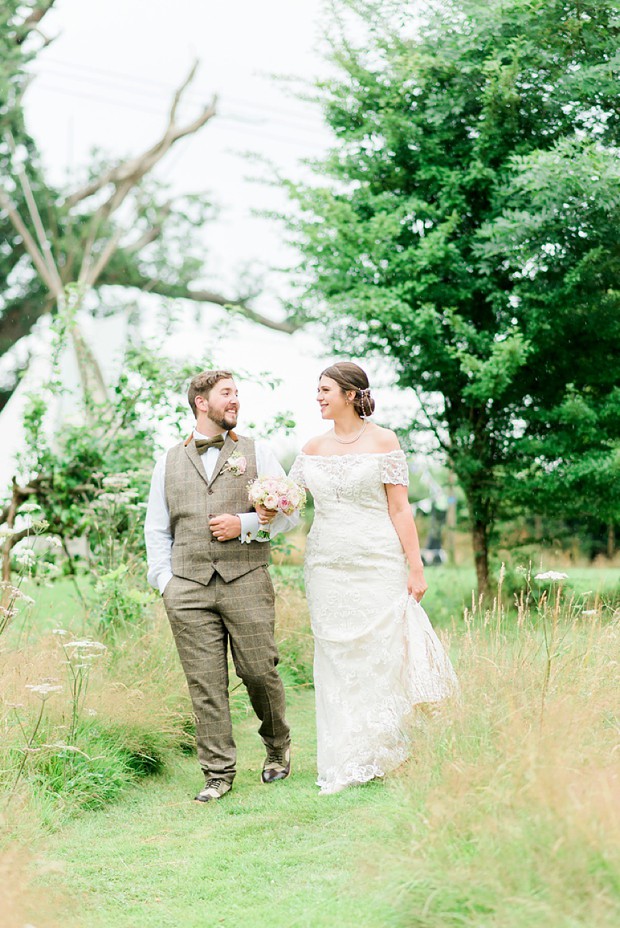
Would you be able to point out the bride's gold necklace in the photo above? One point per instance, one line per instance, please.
(349, 441)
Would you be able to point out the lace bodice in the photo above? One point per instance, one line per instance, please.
(356, 478)
(351, 514)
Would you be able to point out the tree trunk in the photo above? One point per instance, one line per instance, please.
(480, 538)
(450, 544)
(6, 562)
(611, 540)
(91, 378)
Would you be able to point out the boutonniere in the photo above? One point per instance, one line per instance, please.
(236, 464)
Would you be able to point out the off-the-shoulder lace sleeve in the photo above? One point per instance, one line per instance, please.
(394, 468)
(296, 472)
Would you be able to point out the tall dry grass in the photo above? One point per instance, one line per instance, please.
(511, 802)
(293, 635)
(133, 712)
(60, 752)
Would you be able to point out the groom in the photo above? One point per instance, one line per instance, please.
(206, 560)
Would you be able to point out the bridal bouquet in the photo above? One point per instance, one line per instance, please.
(279, 494)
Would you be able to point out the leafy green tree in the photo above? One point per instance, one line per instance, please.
(465, 225)
(559, 239)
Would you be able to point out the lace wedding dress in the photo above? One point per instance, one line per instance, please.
(376, 655)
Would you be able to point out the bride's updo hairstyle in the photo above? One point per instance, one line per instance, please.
(349, 376)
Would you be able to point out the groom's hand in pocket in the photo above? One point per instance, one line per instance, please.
(225, 527)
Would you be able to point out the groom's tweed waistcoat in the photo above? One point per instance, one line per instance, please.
(192, 499)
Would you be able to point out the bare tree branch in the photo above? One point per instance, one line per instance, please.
(110, 247)
(44, 244)
(19, 536)
(129, 173)
(178, 291)
(88, 366)
(179, 93)
(32, 22)
(29, 244)
(152, 233)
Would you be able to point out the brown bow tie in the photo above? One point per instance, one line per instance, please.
(203, 443)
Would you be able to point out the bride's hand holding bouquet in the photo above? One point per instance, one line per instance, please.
(273, 495)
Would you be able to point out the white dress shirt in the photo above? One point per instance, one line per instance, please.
(157, 522)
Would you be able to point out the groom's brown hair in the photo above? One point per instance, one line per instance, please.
(203, 383)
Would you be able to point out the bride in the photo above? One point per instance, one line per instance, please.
(376, 655)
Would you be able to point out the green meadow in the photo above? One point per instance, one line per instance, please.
(506, 813)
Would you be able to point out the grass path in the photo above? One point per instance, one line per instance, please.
(264, 856)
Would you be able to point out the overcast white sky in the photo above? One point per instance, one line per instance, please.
(106, 82)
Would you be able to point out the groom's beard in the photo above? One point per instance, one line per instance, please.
(226, 422)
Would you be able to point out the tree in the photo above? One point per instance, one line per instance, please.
(20, 39)
(468, 230)
(119, 228)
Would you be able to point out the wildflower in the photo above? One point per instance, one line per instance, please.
(552, 575)
(9, 612)
(52, 570)
(107, 500)
(60, 631)
(116, 480)
(30, 507)
(43, 689)
(6, 585)
(85, 644)
(25, 556)
(590, 612)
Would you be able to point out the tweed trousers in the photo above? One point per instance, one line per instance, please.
(204, 620)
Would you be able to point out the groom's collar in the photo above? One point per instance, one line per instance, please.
(196, 434)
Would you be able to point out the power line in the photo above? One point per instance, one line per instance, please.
(232, 115)
(161, 85)
(222, 121)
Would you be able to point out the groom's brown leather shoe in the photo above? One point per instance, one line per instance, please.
(277, 766)
(214, 788)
